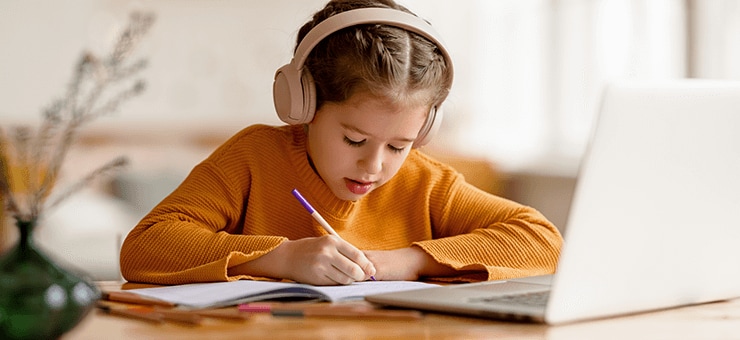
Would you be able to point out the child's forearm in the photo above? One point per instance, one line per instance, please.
(407, 264)
(270, 265)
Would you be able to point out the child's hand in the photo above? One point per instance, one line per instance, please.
(325, 260)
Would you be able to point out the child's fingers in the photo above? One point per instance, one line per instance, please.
(362, 268)
(341, 276)
(328, 260)
(339, 270)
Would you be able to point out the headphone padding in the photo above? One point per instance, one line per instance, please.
(287, 94)
(309, 97)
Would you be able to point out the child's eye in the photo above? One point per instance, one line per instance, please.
(396, 149)
(353, 142)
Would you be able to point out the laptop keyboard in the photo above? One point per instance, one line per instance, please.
(525, 299)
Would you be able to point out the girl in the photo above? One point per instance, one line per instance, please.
(367, 97)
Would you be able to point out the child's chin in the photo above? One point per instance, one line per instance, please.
(347, 195)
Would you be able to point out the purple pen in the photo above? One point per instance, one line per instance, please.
(314, 213)
(317, 216)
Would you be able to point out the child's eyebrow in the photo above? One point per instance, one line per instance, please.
(362, 132)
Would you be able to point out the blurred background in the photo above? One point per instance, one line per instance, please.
(529, 74)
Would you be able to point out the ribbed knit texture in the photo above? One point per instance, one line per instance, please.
(237, 205)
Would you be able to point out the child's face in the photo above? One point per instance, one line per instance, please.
(360, 144)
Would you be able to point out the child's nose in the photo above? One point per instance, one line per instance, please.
(372, 162)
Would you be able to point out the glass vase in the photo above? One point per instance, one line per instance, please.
(38, 298)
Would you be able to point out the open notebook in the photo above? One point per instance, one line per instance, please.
(654, 222)
(220, 294)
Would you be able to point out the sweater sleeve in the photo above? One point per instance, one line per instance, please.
(193, 234)
(487, 237)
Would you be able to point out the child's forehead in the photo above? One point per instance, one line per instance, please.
(387, 104)
(402, 99)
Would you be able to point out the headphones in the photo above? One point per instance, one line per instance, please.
(294, 91)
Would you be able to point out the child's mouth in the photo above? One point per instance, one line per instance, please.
(358, 188)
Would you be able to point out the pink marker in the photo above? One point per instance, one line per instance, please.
(317, 216)
(255, 307)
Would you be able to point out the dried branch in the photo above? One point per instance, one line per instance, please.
(113, 104)
(140, 24)
(5, 179)
(108, 168)
(39, 156)
(125, 72)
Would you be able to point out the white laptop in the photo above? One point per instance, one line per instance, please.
(655, 218)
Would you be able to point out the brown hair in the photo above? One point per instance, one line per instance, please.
(384, 60)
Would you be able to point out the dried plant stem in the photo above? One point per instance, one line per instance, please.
(109, 167)
(10, 204)
(39, 156)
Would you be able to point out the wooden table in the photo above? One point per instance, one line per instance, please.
(719, 320)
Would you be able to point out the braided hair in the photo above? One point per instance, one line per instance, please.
(383, 60)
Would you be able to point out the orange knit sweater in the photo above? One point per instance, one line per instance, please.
(237, 205)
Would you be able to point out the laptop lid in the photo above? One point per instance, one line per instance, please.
(655, 217)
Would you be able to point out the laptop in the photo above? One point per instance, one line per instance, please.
(655, 217)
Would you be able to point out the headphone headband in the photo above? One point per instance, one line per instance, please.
(380, 16)
(294, 89)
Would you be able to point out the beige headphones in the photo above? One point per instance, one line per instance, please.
(294, 92)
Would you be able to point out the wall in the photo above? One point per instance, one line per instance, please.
(527, 77)
(210, 62)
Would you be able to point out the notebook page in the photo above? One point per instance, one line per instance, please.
(202, 295)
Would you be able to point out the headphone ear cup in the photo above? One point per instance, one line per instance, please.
(308, 108)
(283, 87)
(293, 94)
(430, 127)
